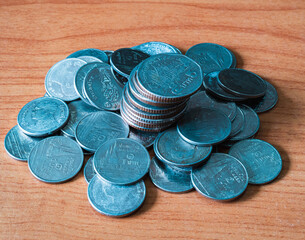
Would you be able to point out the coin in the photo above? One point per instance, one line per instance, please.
(251, 124)
(169, 179)
(202, 99)
(210, 83)
(261, 160)
(59, 81)
(119, 78)
(115, 200)
(233, 65)
(145, 138)
(242, 83)
(124, 60)
(171, 149)
(55, 159)
(204, 126)
(267, 102)
(154, 48)
(101, 89)
(43, 116)
(121, 161)
(237, 123)
(108, 53)
(80, 78)
(97, 128)
(18, 145)
(89, 59)
(169, 77)
(211, 57)
(77, 109)
(89, 171)
(101, 55)
(221, 178)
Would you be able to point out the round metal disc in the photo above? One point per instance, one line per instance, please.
(101, 55)
(89, 171)
(154, 48)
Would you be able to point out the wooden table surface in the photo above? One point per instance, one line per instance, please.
(268, 38)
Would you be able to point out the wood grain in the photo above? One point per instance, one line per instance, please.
(268, 38)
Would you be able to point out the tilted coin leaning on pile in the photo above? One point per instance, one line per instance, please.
(115, 105)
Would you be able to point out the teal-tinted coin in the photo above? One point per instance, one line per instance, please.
(18, 145)
(202, 99)
(171, 149)
(204, 126)
(115, 200)
(97, 128)
(221, 178)
(234, 62)
(89, 171)
(101, 88)
(121, 161)
(242, 83)
(261, 160)
(59, 81)
(154, 48)
(77, 109)
(147, 139)
(210, 56)
(238, 123)
(89, 59)
(55, 159)
(169, 77)
(169, 179)
(93, 52)
(43, 116)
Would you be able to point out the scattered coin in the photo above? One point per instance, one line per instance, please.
(43, 116)
(101, 55)
(55, 159)
(154, 48)
(89, 59)
(222, 178)
(89, 171)
(261, 160)
(169, 179)
(115, 200)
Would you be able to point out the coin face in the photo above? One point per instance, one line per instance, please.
(101, 89)
(43, 116)
(99, 54)
(121, 161)
(211, 57)
(89, 171)
(202, 99)
(59, 81)
(55, 159)
(242, 83)
(19, 145)
(89, 59)
(221, 178)
(77, 109)
(170, 179)
(145, 138)
(171, 149)
(115, 200)
(261, 160)
(204, 126)
(154, 48)
(124, 60)
(168, 77)
(97, 128)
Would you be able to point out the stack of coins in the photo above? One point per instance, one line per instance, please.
(115, 104)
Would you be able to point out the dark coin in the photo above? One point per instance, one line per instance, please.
(241, 83)
(119, 78)
(124, 60)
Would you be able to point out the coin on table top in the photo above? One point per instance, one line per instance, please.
(55, 159)
(261, 160)
(115, 200)
(221, 178)
(59, 81)
(99, 127)
(43, 116)
(154, 48)
(121, 161)
(93, 52)
(89, 171)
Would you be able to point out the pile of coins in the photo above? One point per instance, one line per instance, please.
(115, 105)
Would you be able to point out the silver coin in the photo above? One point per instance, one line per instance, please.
(97, 128)
(121, 161)
(89, 171)
(43, 116)
(115, 200)
(59, 81)
(19, 145)
(154, 48)
(55, 159)
(89, 59)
